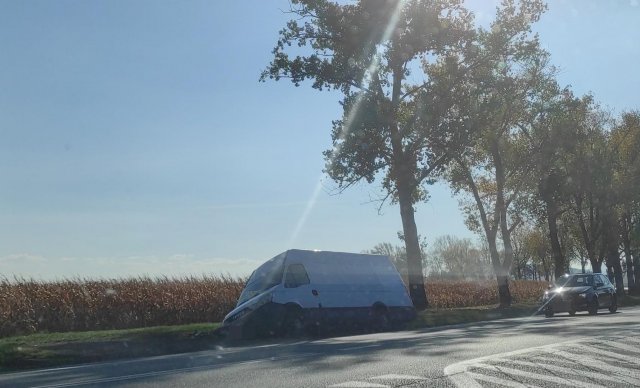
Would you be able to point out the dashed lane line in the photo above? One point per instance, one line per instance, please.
(398, 377)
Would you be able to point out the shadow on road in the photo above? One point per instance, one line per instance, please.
(348, 352)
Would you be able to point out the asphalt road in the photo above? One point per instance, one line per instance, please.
(583, 351)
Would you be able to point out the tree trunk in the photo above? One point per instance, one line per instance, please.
(626, 243)
(613, 260)
(630, 265)
(625, 234)
(414, 256)
(589, 236)
(405, 181)
(596, 265)
(596, 262)
(556, 248)
(619, 278)
(503, 283)
(501, 206)
(636, 270)
(504, 295)
(491, 231)
(502, 274)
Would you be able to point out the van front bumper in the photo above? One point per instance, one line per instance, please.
(249, 323)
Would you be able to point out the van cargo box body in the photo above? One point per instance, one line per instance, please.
(319, 288)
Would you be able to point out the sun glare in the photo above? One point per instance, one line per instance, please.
(346, 128)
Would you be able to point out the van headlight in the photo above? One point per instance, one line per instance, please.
(583, 295)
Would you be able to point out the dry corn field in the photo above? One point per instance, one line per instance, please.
(447, 294)
(28, 306)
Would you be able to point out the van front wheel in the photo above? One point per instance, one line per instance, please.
(293, 323)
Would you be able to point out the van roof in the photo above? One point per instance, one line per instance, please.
(318, 253)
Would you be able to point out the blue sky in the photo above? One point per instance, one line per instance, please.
(135, 137)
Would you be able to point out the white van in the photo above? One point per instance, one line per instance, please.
(301, 289)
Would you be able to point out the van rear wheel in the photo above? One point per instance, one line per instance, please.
(380, 318)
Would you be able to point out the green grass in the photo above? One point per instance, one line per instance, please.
(111, 334)
(454, 316)
(53, 349)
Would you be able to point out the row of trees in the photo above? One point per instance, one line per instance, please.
(455, 258)
(428, 95)
(449, 257)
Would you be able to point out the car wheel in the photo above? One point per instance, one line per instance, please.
(293, 323)
(548, 312)
(380, 318)
(572, 312)
(593, 307)
(614, 304)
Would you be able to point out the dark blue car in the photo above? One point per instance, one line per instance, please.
(580, 292)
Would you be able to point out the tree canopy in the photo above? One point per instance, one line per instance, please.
(545, 176)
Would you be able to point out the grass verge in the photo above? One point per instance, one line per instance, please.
(454, 316)
(630, 300)
(56, 349)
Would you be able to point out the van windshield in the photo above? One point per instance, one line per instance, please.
(266, 276)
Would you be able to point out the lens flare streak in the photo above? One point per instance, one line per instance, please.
(346, 128)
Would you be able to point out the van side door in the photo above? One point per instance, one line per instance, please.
(297, 287)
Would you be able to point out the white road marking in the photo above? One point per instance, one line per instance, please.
(544, 377)
(603, 357)
(359, 347)
(166, 372)
(598, 364)
(621, 346)
(490, 379)
(569, 371)
(398, 377)
(608, 354)
(631, 339)
(359, 384)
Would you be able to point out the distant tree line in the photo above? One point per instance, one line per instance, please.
(450, 258)
(546, 177)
